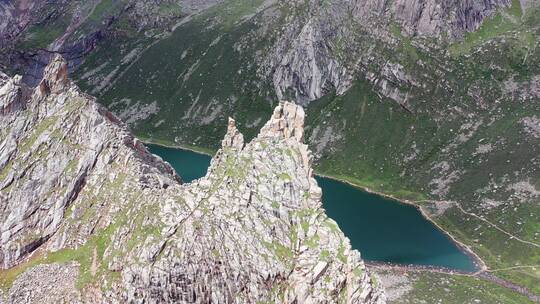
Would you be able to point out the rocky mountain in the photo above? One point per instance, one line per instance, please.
(434, 102)
(31, 32)
(320, 50)
(89, 215)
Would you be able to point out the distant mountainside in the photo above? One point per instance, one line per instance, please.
(32, 31)
(435, 102)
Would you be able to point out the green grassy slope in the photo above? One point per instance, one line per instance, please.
(425, 287)
(196, 77)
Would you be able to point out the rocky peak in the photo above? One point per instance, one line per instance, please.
(55, 77)
(233, 138)
(287, 121)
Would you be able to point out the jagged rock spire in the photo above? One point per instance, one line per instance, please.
(233, 138)
(55, 77)
(286, 122)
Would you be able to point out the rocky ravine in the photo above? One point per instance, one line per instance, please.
(83, 204)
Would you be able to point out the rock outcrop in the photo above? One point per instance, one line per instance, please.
(435, 17)
(318, 50)
(11, 94)
(84, 199)
(305, 68)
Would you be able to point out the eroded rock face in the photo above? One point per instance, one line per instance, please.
(77, 190)
(317, 50)
(11, 94)
(305, 67)
(46, 154)
(428, 17)
(434, 17)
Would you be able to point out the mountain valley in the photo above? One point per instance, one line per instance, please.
(434, 103)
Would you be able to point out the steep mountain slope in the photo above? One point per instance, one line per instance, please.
(84, 204)
(32, 31)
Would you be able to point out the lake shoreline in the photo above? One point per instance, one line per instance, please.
(148, 141)
(418, 268)
(462, 247)
(477, 261)
(483, 275)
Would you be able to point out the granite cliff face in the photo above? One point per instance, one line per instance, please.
(319, 48)
(87, 209)
(436, 17)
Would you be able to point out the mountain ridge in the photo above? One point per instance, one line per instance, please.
(124, 229)
(439, 121)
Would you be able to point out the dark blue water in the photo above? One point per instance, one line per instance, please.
(381, 229)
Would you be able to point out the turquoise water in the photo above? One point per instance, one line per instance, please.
(381, 229)
(189, 165)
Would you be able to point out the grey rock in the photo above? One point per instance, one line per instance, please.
(430, 17)
(306, 65)
(317, 51)
(11, 95)
(48, 283)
